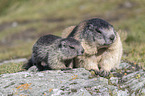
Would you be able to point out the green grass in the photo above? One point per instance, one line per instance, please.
(135, 52)
(36, 18)
(11, 68)
(18, 51)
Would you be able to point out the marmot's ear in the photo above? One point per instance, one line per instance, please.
(67, 31)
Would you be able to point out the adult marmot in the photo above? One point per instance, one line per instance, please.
(102, 45)
(53, 52)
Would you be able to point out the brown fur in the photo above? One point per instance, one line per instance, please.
(53, 52)
(99, 59)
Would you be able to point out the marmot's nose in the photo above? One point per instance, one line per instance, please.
(112, 37)
(81, 52)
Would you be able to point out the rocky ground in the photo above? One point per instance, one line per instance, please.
(128, 80)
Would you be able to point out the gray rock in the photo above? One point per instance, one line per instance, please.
(76, 82)
(114, 80)
(122, 93)
(132, 75)
(81, 92)
(123, 65)
(134, 81)
(102, 94)
(133, 94)
(142, 92)
(39, 83)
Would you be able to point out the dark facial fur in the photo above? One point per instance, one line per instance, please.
(70, 48)
(99, 31)
(96, 31)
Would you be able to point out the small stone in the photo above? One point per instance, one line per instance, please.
(82, 92)
(103, 90)
(122, 93)
(142, 92)
(33, 69)
(133, 94)
(114, 80)
(14, 24)
(123, 65)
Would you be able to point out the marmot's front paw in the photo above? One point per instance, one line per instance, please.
(102, 73)
(66, 69)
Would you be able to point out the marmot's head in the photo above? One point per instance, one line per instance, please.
(95, 32)
(99, 32)
(70, 48)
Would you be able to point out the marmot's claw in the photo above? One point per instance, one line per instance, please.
(112, 70)
(103, 73)
(66, 69)
(92, 70)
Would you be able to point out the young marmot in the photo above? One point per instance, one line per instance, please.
(53, 52)
(102, 45)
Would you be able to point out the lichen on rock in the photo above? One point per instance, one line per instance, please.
(76, 82)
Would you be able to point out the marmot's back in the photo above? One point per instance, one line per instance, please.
(47, 39)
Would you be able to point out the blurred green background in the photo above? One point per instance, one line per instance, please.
(22, 22)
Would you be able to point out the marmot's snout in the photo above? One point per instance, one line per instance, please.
(112, 37)
(80, 52)
(110, 40)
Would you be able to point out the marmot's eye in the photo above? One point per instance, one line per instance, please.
(71, 47)
(94, 39)
(98, 31)
(64, 45)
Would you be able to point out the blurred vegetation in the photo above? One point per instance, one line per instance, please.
(22, 22)
(11, 68)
